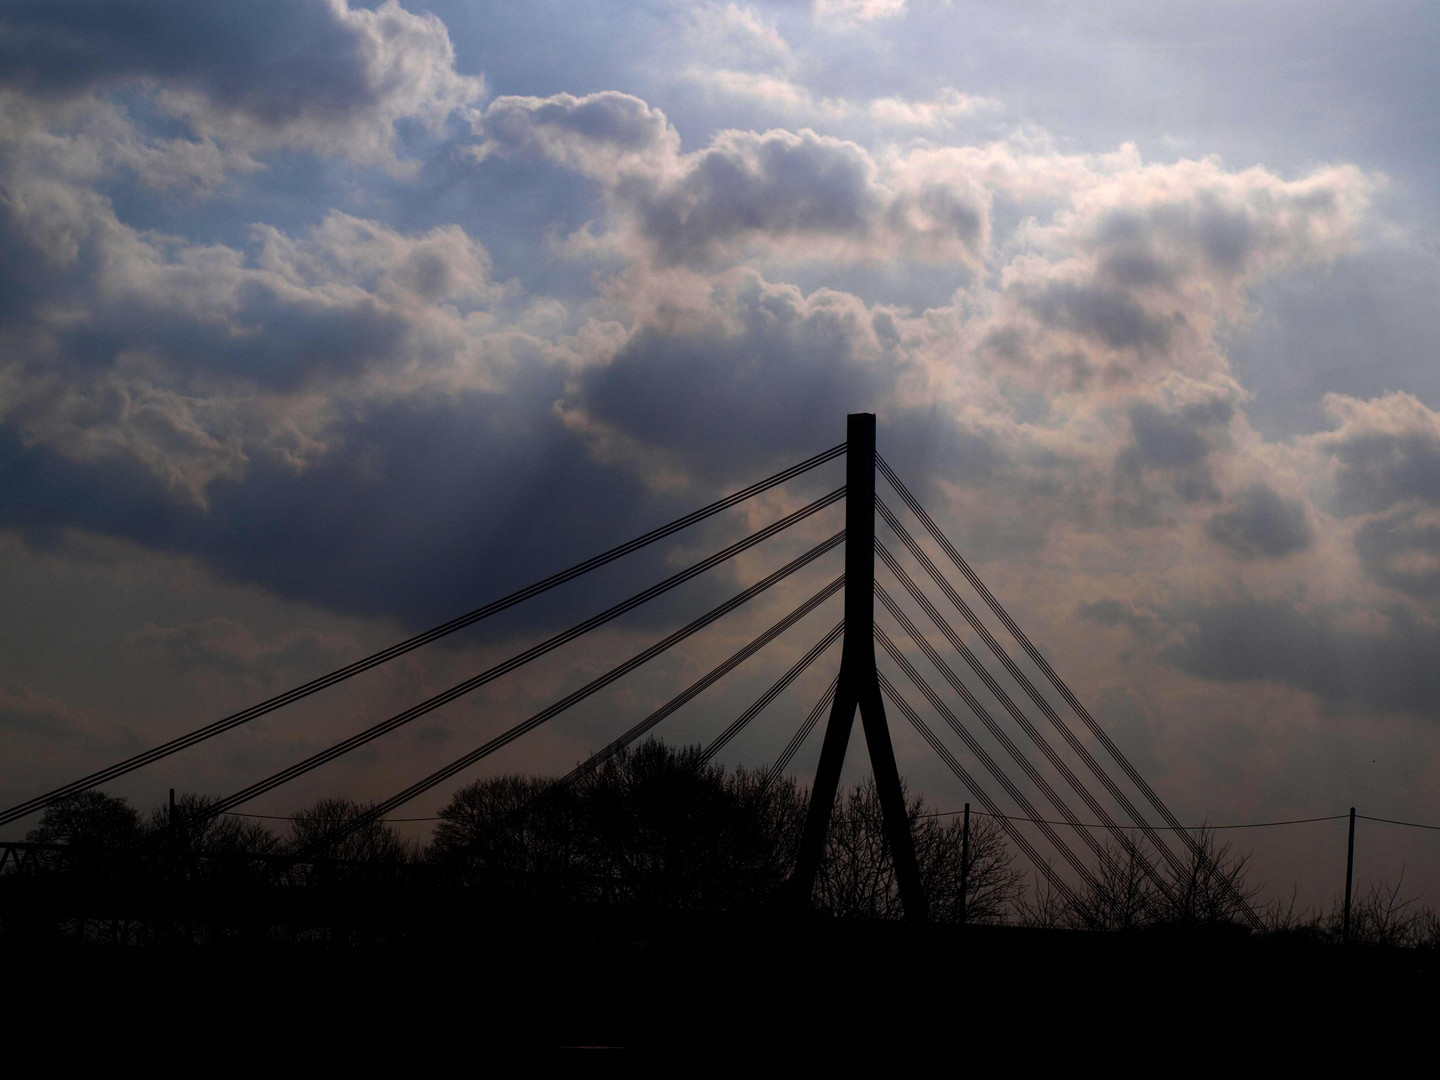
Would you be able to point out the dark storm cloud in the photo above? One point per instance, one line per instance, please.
(268, 58)
(22, 710)
(278, 343)
(1174, 439)
(1402, 552)
(1312, 649)
(1262, 525)
(1176, 443)
(1111, 612)
(1379, 469)
(783, 381)
(433, 507)
(776, 184)
(1106, 314)
(1225, 237)
(317, 74)
(224, 645)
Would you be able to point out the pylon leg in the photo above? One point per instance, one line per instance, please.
(859, 688)
(822, 794)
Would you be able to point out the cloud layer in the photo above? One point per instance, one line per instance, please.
(298, 292)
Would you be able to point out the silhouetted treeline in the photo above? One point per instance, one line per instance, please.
(657, 827)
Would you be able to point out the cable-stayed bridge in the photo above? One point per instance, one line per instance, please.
(1031, 751)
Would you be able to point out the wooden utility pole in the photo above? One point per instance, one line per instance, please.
(859, 688)
(1349, 877)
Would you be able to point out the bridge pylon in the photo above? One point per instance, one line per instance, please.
(859, 687)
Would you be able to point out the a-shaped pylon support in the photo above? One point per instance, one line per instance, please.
(859, 687)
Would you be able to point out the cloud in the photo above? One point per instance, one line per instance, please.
(1402, 550)
(1172, 441)
(1111, 612)
(1262, 525)
(1382, 662)
(778, 192)
(1108, 315)
(316, 74)
(192, 358)
(225, 646)
(848, 11)
(1385, 450)
(26, 712)
(771, 370)
(737, 35)
(934, 113)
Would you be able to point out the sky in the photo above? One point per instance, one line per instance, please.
(322, 322)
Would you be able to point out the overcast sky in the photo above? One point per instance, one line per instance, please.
(321, 323)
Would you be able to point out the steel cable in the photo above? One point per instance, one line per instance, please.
(1126, 844)
(976, 792)
(1055, 680)
(608, 751)
(1053, 797)
(460, 689)
(253, 712)
(742, 721)
(802, 733)
(991, 766)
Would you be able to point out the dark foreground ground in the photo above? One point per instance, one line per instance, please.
(413, 984)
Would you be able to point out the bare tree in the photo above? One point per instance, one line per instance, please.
(1044, 906)
(87, 822)
(1122, 894)
(509, 834)
(322, 832)
(856, 878)
(201, 844)
(1382, 915)
(1212, 887)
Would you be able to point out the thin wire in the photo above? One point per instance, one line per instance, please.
(793, 747)
(182, 742)
(956, 813)
(460, 689)
(1044, 706)
(775, 690)
(1188, 828)
(504, 739)
(1016, 837)
(1392, 821)
(991, 765)
(1055, 680)
(292, 817)
(608, 751)
(983, 714)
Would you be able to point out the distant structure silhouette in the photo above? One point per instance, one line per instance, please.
(858, 685)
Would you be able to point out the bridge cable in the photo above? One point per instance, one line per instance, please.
(1076, 863)
(701, 684)
(978, 794)
(775, 690)
(802, 733)
(1124, 841)
(1055, 680)
(504, 668)
(1105, 856)
(460, 764)
(182, 742)
(1034, 694)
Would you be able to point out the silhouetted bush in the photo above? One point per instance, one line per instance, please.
(652, 825)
